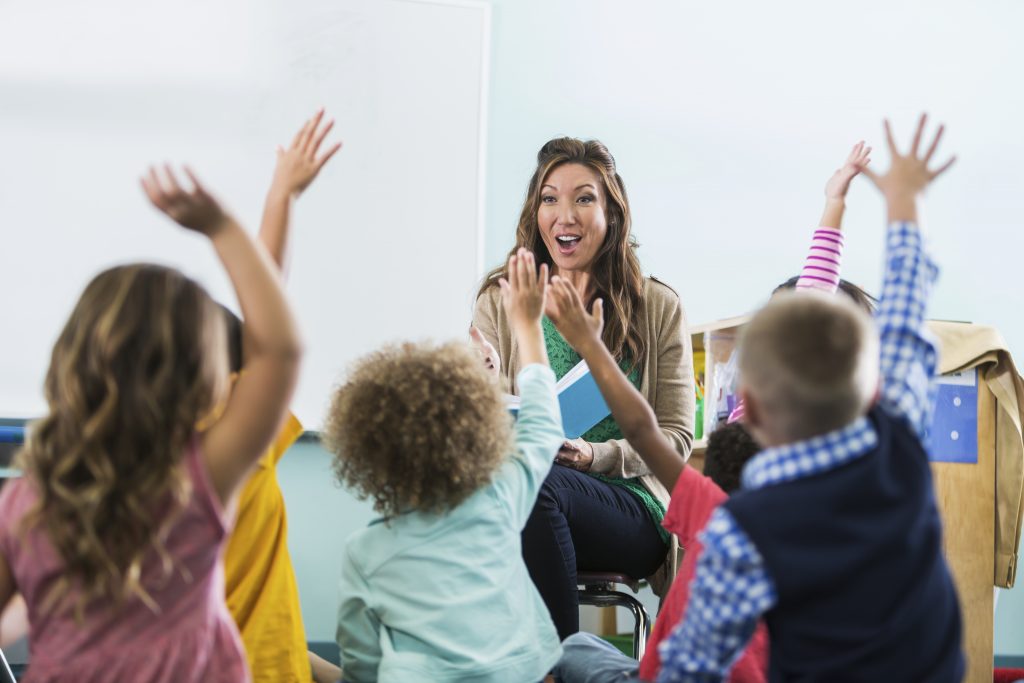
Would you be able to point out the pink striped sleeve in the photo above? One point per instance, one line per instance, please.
(821, 269)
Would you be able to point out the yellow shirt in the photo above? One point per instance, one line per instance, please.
(262, 593)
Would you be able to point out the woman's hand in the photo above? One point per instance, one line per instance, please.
(299, 164)
(489, 354)
(194, 209)
(577, 454)
(565, 309)
(839, 184)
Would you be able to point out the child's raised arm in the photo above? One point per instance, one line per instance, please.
(821, 268)
(523, 296)
(538, 430)
(261, 395)
(631, 411)
(297, 167)
(908, 355)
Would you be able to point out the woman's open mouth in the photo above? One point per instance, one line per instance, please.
(567, 244)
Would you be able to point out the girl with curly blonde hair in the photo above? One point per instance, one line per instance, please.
(114, 535)
(437, 589)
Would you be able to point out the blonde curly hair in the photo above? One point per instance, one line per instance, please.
(418, 427)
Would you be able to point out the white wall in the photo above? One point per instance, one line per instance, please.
(727, 118)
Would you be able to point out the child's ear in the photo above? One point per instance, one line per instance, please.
(752, 417)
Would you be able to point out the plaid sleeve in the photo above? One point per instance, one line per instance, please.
(730, 592)
(909, 356)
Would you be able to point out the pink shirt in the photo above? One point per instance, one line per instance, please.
(193, 639)
(694, 498)
(820, 271)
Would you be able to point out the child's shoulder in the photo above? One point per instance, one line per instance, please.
(17, 494)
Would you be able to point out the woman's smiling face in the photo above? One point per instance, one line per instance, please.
(571, 216)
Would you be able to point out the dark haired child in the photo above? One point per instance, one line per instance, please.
(695, 496)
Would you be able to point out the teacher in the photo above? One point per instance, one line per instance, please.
(599, 509)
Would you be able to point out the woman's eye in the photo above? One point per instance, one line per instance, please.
(547, 199)
(586, 199)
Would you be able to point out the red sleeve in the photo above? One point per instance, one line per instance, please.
(694, 498)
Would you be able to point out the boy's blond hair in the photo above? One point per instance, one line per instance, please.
(418, 427)
(810, 362)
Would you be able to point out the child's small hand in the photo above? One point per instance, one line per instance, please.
(299, 165)
(194, 209)
(572, 320)
(838, 185)
(524, 291)
(908, 176)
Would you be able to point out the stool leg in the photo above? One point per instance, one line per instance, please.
(641, 628)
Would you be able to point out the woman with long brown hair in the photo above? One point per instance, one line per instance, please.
(599, 509)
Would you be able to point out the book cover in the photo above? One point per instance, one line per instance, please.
(579, 398)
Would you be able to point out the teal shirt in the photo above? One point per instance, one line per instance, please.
(564, 358)
(433, 598)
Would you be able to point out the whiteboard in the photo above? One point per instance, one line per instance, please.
(387, 243)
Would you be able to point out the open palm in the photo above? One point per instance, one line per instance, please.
(838, 185)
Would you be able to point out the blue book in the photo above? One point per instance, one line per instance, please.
(579, 398)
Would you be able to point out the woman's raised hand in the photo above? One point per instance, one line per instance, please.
(566, 311)
(489, 354)
(193, 208)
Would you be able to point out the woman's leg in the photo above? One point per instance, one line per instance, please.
(582, 522)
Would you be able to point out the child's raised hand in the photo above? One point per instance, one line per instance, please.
(909, 175)
(299, 164)
(524, 291)
(838, 185)
(192, 208)
(572, 320)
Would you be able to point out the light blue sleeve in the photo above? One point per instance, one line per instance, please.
(538, 436)
(358, 633)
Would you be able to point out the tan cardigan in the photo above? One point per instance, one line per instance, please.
(666, 381)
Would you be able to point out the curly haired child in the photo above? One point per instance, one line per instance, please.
(436, 590)
(114, 535)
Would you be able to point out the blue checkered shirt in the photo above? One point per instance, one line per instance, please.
(732, 587)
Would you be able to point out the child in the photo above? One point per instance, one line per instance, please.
(824, 259)
(835, 539)
(437, 589)
(114, 534)
(694, 497)
(261, 590)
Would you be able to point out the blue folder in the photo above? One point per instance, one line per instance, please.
(953, 436)
(580, 400)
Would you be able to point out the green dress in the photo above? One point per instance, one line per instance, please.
(564, 358)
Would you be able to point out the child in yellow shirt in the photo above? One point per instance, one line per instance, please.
(262, 593)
